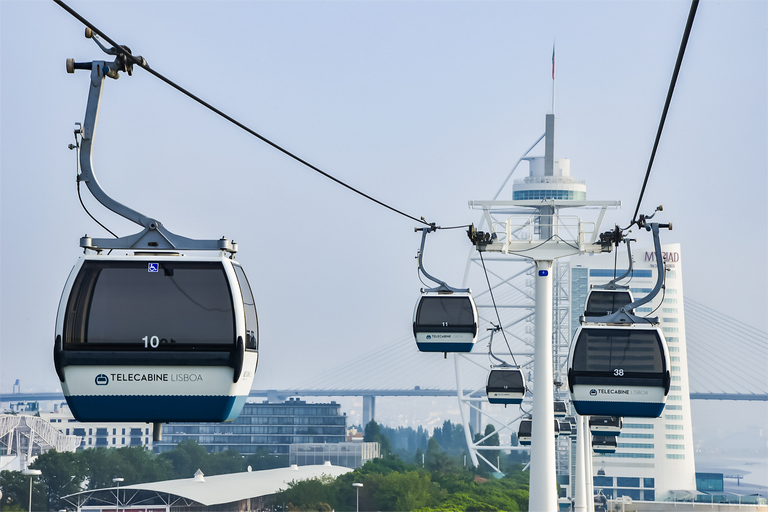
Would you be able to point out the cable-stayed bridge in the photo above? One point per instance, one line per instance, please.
(727, 360)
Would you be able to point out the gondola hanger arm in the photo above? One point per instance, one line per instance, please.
(154, 236)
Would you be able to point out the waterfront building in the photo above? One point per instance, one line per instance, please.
(100, 434)
(654, 456)
(263, 426)
(347, 454)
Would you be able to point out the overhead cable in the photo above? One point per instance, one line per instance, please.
(143, 64)
(678, 63)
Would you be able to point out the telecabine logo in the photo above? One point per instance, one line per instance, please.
(429, 336)
(592, 392)
(102, 380)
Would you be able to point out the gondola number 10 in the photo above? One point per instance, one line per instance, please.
(153, 341)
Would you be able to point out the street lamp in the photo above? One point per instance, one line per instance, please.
(358, 486)
(31, 473)
(117, 480)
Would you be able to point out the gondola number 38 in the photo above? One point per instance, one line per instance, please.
(618, 372)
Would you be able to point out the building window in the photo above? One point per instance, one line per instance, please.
(674, 427)
(674, 349)
(669, 320)
(627, 482)
(674, 407)
(676, 436)
(669, 310)
(675, 456)
(649, 494)
(672, 339)
(669, 300)
(635, 445)
(675, 397)
(675, 447)
(670, 329)
(644, 310)
(629, 455)
(602, 481)
(648, 482)
(638, 425)
(632, 493)
(675, 359)
(675, 388)
(675, 368)
(673, 416)
(626, 435)
(671, 291)
(676, 378)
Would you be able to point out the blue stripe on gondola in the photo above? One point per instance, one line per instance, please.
(155, 408)
(445, 347)
(626, 409)
(506, 401)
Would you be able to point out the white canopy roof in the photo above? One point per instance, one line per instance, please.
(219, 489)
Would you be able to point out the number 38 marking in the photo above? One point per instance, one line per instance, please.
(618, 372)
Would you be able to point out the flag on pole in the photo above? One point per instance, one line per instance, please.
(553, 62)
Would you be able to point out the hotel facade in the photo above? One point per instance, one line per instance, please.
(655, 456)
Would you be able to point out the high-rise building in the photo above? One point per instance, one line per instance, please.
(654, 456)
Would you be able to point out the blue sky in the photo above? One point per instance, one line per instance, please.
(424, 105)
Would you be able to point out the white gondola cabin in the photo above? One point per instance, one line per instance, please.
(619, 370)
(156, 338)
(605, 425)
(445, 322)
(506, 385)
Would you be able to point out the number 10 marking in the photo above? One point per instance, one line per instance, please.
(153, 342)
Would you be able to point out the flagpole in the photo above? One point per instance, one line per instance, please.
(553, 78)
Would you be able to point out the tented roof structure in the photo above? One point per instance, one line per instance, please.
(204, 490)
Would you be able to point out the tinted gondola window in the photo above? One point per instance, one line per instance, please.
(601, 302)
(445, 311)
(631, 350)
(249, 304)
(506, 379)
(153, 306)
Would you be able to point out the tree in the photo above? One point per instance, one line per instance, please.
(186, 458)
(372, 434)
(64, 473)
(15, 488)
(404, 491)
(436, 459)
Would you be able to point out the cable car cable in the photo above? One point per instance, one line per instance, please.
(490, 290)
(678, 63)
(143, 64)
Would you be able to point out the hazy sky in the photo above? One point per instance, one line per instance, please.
(424, 105)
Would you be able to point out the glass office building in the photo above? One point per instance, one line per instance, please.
(654, 456)
(270, 427)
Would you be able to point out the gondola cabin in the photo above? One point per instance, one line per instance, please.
(605, 425)
(156, 338)
(524, 432)
(619, 370)
(565, 429)
(602, 302)
(445, 322)
(561, 409)
(604, 444)
(506, 385)
(572, 421)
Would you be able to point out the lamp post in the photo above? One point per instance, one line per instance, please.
(31, 473)
(117, 480)
(358, 486)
